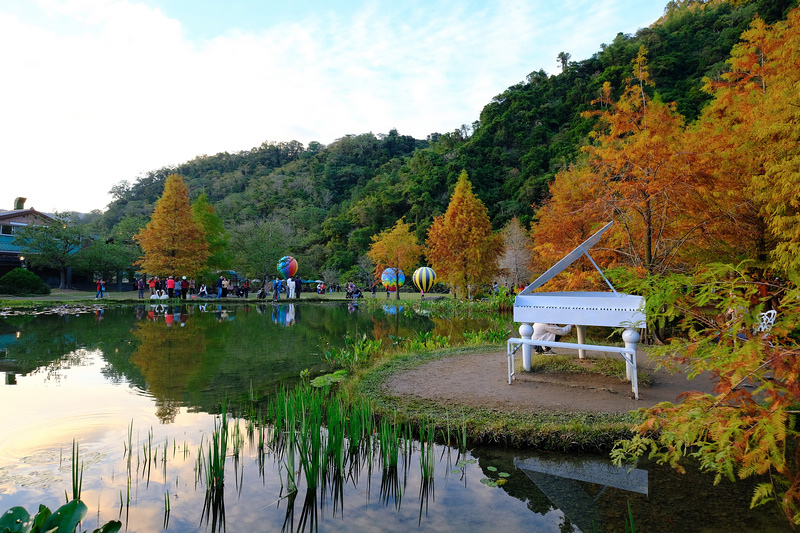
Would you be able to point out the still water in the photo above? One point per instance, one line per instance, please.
(156, 376)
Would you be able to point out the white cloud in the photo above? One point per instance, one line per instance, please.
(105, 90)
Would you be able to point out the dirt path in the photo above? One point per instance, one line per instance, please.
(481, 380)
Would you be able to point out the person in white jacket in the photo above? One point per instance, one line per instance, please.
(548, 332)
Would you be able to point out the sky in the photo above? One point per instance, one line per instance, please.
(97, 92)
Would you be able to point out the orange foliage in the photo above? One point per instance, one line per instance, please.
(750, 131)
(462, 248)
(396, 247)
(173, 242)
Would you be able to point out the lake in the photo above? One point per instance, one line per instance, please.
(139, 388)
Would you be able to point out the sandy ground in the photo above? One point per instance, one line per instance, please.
(481, 380)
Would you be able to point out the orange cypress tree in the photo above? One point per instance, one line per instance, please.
(461, 246)
(564, 222)
(398, 248)
(173, 242)
(637, 173)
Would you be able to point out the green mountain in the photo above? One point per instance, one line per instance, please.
(327, 201)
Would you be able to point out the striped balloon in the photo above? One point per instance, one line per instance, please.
(424, 278)
(391, 280)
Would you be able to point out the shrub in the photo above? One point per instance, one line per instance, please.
(21, 281)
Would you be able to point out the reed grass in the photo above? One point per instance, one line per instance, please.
(77, 471)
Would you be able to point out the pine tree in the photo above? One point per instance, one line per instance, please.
(173, 242)
(462, 248)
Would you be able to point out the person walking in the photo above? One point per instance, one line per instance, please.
(101, 288)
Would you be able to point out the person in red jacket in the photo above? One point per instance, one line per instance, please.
(171, 287)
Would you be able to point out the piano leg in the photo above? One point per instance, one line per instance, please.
(526, 332)
(581, 340)
(631, 338)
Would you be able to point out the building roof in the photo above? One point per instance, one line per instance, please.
(19, 213)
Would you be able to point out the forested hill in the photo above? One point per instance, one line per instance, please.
(323, 203)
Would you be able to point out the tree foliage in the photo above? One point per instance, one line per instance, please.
(173, 242)
(461, 246)
(52, 246)
(217, 238)
(257, 246)
(395, 248)
(746, 426)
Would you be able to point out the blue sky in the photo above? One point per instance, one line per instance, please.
(100, 91)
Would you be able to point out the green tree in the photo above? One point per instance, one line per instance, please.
(257, 245)
(219, 256)
(108, 258)
(461, 247)
(173, 242)
(52, 246)
(398, 248)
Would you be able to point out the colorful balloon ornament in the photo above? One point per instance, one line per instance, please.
(287, 266)
(391, 281)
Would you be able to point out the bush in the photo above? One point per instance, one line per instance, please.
(20, 281)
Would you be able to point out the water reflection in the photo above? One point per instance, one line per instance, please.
(285, 314)
(152, 374)
(563, 481)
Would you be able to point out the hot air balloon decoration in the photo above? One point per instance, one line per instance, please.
(424, 278)
(393, 279)
(287, 266)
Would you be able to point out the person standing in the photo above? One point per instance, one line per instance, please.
(219, 287)
(290, 285)
(192, 286)
(226, 284)
(246, 288)
(184, 287)
(152, 285)
(170, 287)
(140, 286)
(298, 287)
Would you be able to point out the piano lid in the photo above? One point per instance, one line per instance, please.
(570, 258)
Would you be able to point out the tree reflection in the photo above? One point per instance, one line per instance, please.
(169, 354)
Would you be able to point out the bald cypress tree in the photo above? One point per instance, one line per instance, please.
(462, 248)
(173, 242)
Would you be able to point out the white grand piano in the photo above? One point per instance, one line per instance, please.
(612, 309)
